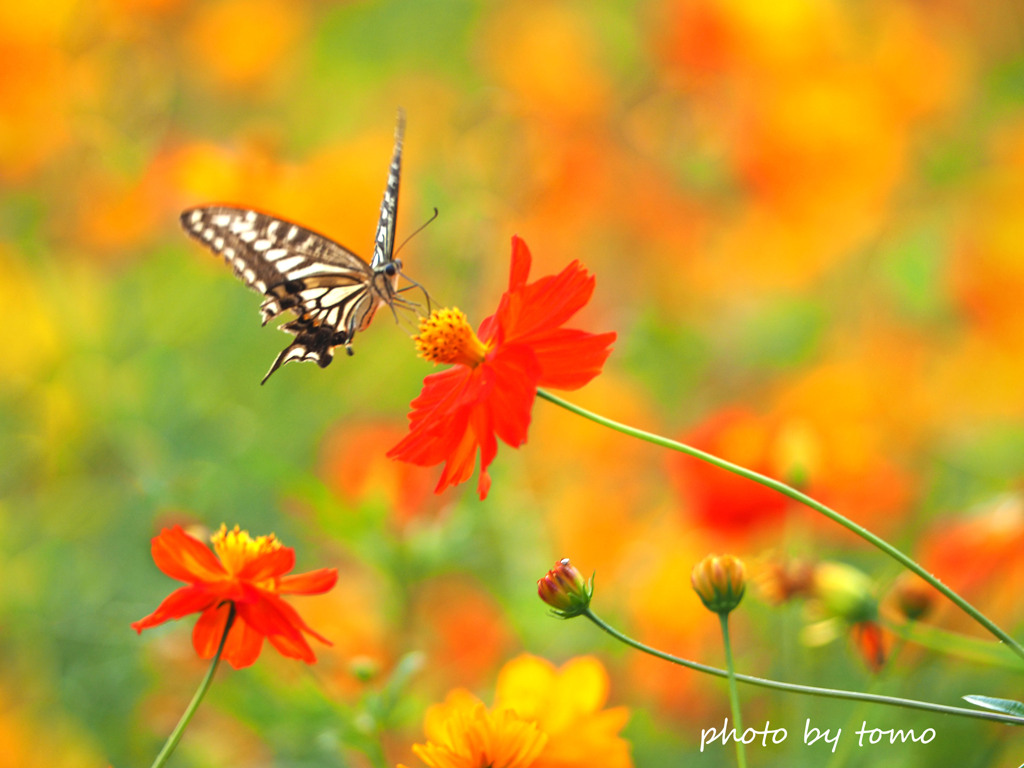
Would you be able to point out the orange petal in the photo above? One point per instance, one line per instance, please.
(243, 644)
(312, 583)
(293, 648)
(209, 629)
(184, 557)
(180, 602)
(521, 260)
(569, 359)
(268, 565)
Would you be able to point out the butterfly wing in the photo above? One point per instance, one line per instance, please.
(384, 243)
(331, 290)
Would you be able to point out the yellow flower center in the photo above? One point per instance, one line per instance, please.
(236, 548)
(447, 337)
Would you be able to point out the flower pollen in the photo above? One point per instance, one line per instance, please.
(447, 337)
(236, 548)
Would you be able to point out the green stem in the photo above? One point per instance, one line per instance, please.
(734, 696)
(809, 690)
(973, 649)
(803, 498)
(186, 717)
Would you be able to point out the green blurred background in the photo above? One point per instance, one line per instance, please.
(806, 221)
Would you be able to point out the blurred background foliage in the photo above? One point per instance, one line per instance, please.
(806, 221)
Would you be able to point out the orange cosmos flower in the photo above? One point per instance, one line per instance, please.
(543, 717)
(568, 704)
(490, 391)
(247, 573)
(463, 733)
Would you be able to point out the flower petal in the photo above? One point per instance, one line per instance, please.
(439, 417)
(269, 565)
(513, 374)
(243, 645)
(184, 557)
(312, 583)
(282, 626)
(521, 260)
(294, 620)
(545, 304)
(208, 630)
(568, 358)
(180, 602)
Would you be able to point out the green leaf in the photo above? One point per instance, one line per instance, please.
(1009, 706)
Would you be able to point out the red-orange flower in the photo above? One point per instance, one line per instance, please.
(490, 391)
(247, 573)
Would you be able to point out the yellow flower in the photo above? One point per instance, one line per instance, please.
(463, 733)
(567, 703)
(543, 717)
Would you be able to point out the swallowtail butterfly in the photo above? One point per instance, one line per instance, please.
(331, 290)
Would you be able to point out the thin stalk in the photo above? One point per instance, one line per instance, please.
(190, 710)
(804, 499)
(809, 690)
(734, 696)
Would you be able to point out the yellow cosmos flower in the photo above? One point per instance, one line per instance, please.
(568, 705)
(543, 717)
(463, 733)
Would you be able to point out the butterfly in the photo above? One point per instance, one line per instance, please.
(332, 291)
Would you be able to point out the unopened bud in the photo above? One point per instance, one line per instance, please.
(565, 590)
(914, 596)
(719, 581)
(845, 592)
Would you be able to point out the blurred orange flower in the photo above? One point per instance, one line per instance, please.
(355, 468)
(542, 717)
(721, 501)
(980, 557)
(462, 628)
(490, 391)
(242, 42)
(246, 573)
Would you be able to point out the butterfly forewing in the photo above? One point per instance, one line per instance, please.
(384, 243)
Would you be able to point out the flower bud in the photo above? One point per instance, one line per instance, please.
(845, 592)
(719, 581)
(778, 580)
(915, 598)
(565, 590)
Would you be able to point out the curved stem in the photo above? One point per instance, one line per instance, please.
(804, 499)
(190, 710)
(734, 696)
(809, 690)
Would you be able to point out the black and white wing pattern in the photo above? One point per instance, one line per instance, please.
(332, 291)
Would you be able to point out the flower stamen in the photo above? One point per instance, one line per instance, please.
(447, 337)
(236, 547)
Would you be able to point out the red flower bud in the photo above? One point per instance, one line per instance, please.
(565, 590)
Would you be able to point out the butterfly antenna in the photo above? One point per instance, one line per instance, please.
(419, 229)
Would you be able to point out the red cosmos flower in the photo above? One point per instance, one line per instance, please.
(248, 573)
(489, 392)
